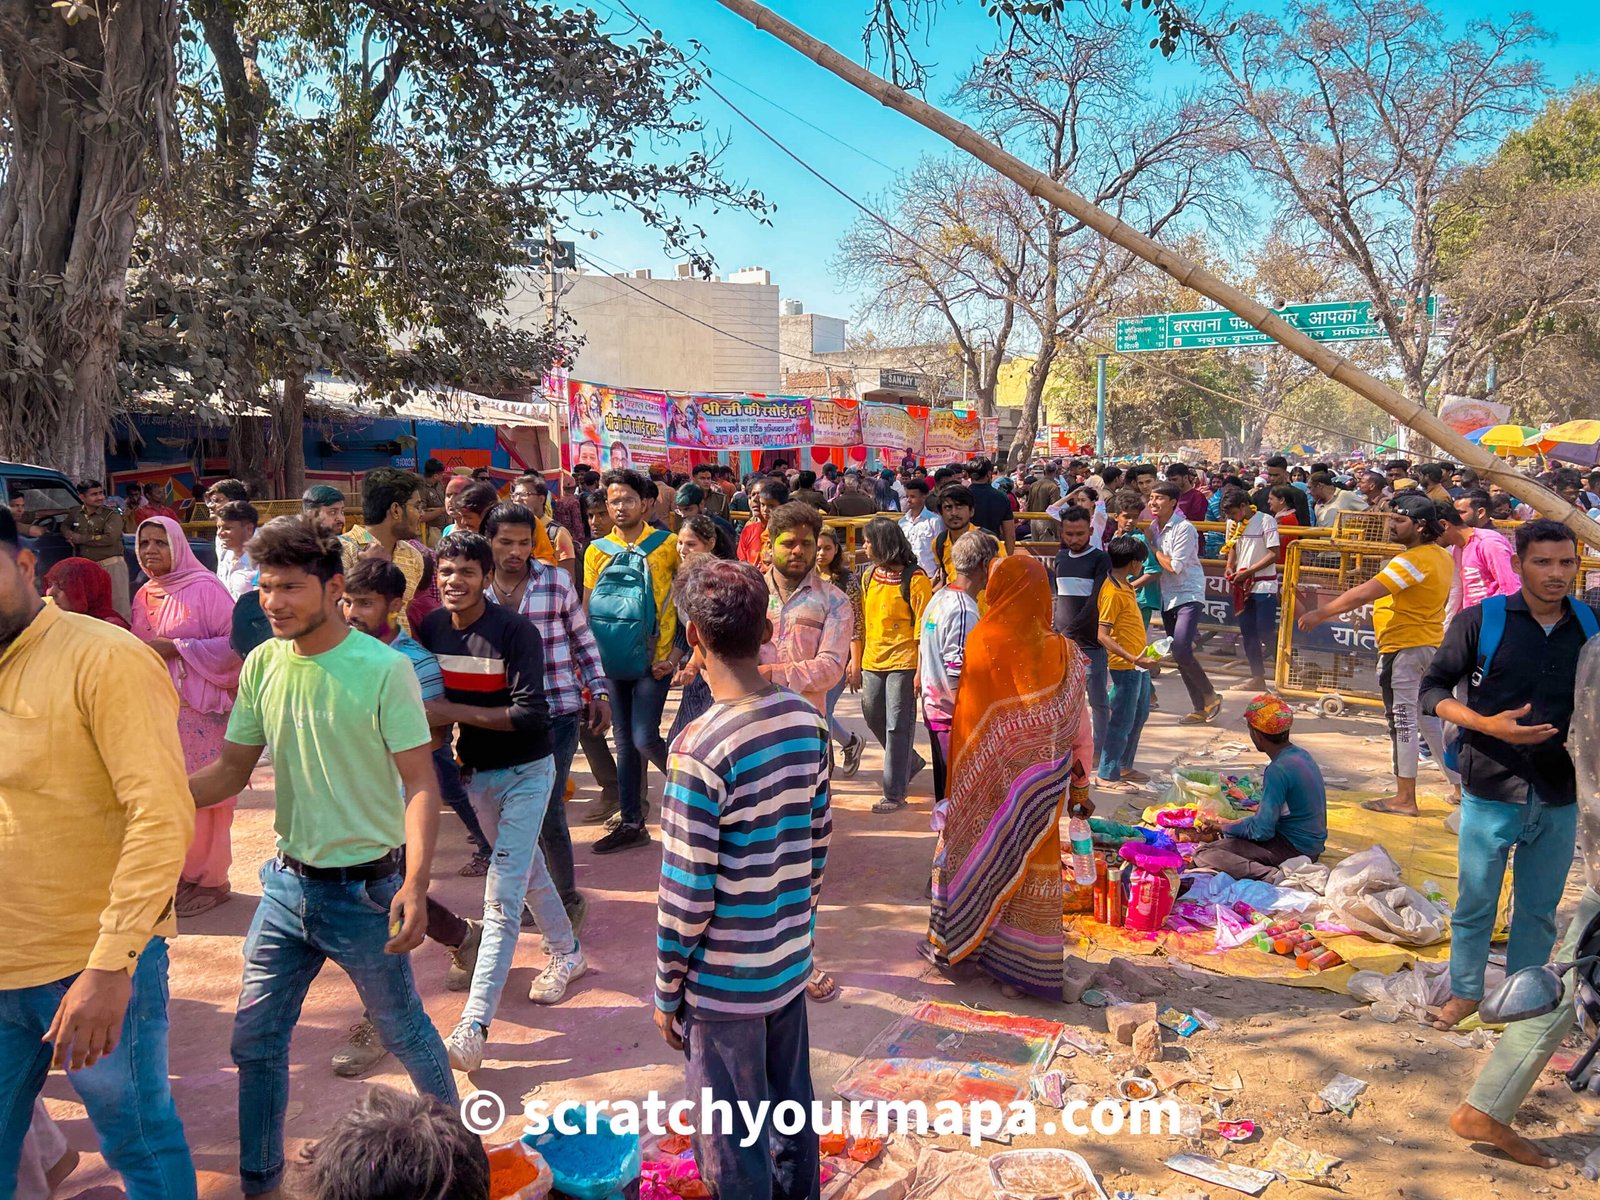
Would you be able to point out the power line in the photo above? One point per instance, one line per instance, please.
(893, 228)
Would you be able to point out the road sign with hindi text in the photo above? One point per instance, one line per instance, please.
(1220, 329)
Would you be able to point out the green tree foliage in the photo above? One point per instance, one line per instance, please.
(360, 179)
(1520, 244)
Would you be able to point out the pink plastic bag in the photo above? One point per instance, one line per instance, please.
(1152, 885)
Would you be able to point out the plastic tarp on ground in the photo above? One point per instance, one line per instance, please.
(1424, 849)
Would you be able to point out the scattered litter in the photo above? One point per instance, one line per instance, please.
(1082, 1041)
(1136, 1087)
(1298, 1162)
(1049, 1088)
(1207, 1021)
(1181, 1023)
(1232, 1082)
(1341, 1092)
(1094, 998)
(1237, 1131)
(1189, 1120)
(1241, 1179)
(1478, 1039)
(1036, 1174)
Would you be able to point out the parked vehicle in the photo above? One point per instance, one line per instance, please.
(49, 496)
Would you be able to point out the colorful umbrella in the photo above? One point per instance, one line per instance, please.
(1573, 442)
(1517, 440)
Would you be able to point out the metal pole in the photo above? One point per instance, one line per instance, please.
(1100, 405)
(1492, 380)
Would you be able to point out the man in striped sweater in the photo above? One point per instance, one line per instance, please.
(745, 827)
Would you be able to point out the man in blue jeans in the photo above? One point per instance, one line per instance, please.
(637, 701)
(1176, 544)
(1518, 784)
(544, 595)
(343, 715)
(97, 821)
(492, 660)
(1081, 570)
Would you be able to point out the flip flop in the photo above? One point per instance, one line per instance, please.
(1375, 806)
(888, 806)
(827, 987)
(203, 900)
(1115, 786)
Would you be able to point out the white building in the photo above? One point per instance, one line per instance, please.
(674, 334)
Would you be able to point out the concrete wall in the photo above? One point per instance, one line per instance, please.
(635, 342)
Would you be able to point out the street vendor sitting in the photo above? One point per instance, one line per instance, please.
(1292, 818)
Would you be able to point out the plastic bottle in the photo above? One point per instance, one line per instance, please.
(1082, 839)
(1102, 890)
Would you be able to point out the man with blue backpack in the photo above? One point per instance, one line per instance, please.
(1519, 656)
(628, 577)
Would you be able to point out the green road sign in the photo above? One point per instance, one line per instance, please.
(1221, 329)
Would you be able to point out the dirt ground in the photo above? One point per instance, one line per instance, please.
(1285, 1043)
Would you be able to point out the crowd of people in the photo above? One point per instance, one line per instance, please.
(458, 645)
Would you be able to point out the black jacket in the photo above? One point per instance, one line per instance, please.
(1529, 667)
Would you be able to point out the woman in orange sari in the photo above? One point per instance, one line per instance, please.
(1019, 748)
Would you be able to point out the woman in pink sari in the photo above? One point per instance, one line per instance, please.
(185, 614)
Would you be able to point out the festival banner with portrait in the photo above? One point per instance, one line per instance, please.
(613, 428)
(704, 422)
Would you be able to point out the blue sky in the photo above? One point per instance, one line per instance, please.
(800, 242)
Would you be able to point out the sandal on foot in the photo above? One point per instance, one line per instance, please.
(887, 805)
(202, 900)
(477, 867)
(821, 987)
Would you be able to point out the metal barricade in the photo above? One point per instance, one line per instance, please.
(1336, 663)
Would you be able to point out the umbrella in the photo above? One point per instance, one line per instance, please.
(1517, 440)
(1573, 441)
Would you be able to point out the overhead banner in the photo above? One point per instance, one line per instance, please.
(835, 422)
(890, 427)
(952, 437)
(613, 429)
(1466, 413)
(620, 427)
(738, 422)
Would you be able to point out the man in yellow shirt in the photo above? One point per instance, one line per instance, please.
(1408, 600)
(95, 820)
(391, 514)
(638, 691)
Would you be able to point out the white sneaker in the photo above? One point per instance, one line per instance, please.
(465, 1046)
(560, 971)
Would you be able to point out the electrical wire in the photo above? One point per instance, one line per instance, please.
(1140, 361)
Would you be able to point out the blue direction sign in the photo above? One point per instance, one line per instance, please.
(1221, 329)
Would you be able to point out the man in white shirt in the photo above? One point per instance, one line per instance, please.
(921, 525)
(1331, 500)
(1176, 544)
(236, 525)
(1252, 569)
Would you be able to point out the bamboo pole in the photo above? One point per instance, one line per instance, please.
(1188, 273)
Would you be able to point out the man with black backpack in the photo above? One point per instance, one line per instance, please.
(628, 577)
(1519, 654)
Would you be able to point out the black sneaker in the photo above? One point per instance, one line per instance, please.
(624, 837)
(852, 757)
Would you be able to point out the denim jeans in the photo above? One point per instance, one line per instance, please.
(889, 704)
(1525, 1047)
(754, 1059)
(1543, 838)
(511, 803)
(126, 1093)
(1258, 630)
(1099, 700)
(1183, 626)
(454, 794)
(1130, 708)
(636, 706)
(602, 765)
(299, 925)
(555, 839)
(840, 733)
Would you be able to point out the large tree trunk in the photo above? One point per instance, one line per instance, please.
(288, 435)
(247, 455)
(87, 102)
(1028, 425)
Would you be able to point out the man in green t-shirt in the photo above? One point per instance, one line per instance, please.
(344, 718)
